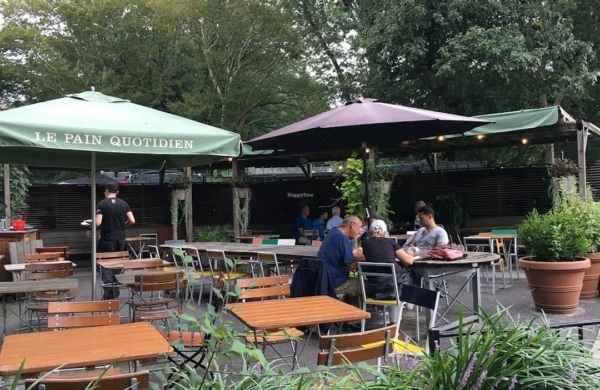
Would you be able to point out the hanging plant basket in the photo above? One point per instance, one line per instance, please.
(181, 194)
(385, 186)
(243, 192)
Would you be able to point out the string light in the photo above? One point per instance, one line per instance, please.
(524, 141)
(441, 138)
(367, 150)
(480, 136)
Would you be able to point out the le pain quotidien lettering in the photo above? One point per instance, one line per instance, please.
(125, 141)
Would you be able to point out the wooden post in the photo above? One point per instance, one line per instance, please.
(236, 218)
(7, 211)
(189, 226)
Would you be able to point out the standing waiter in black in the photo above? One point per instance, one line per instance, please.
(112, 215)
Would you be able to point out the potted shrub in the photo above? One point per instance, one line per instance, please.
(557, 242)
(587, 211)
(452, 210)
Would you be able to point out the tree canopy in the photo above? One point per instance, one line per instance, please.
(251, 66)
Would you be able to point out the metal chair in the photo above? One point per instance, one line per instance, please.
(145, 245)
(356, 347)
(272, 287)
(155, 295)
(368, 270)
(37, 304)
(223, 267)
(63, 315)
(483, 244)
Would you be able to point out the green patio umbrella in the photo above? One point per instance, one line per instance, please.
(90, 129)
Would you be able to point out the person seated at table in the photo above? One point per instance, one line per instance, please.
(379, 248)
(416, 223)
(429, 236)
(319, 223)
(335, 220)
(302, 223)
(372, 217)
(339, 258)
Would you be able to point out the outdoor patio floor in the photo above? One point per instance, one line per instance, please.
(516, 297)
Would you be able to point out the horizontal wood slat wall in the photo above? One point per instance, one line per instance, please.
(489, 193)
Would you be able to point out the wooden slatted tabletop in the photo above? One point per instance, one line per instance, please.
(117, 264)
(294, 312)
(81, 347)
(241, 249)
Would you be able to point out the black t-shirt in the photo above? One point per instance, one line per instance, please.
(383, 250)
(114, 214)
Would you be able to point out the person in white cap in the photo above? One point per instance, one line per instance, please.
(379, 248)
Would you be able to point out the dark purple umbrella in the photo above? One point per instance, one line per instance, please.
(363, 123)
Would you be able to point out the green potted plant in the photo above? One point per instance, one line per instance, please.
(557, 243)
(587, 211)
(452, 212)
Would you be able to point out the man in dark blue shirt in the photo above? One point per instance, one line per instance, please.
(339, 258)
(301, 224)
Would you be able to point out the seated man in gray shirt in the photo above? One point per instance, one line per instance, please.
(429, 236)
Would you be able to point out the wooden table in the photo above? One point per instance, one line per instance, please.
(294, 252)
(512, 240)
(32, 286)
(81, 347)
(294, 312)
(433, 269)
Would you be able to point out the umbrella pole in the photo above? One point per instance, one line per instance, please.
(365, 174)
(93, 210)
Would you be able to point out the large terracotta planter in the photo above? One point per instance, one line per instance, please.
(555, 286)
(591, 278)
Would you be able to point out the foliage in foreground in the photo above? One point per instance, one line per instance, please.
(498, 353)
(508, 354)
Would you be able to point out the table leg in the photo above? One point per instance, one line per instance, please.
(429, 283)
(134, 253)
(3, 317)
(476, 287)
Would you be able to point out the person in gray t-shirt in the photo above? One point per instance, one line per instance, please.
(430, 235)
(426, 238)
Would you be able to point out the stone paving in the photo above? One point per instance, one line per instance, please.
(516, 297)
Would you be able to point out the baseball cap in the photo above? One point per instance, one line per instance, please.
(112, 186)
(378, 226)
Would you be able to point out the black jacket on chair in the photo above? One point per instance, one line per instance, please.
(311, 278)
